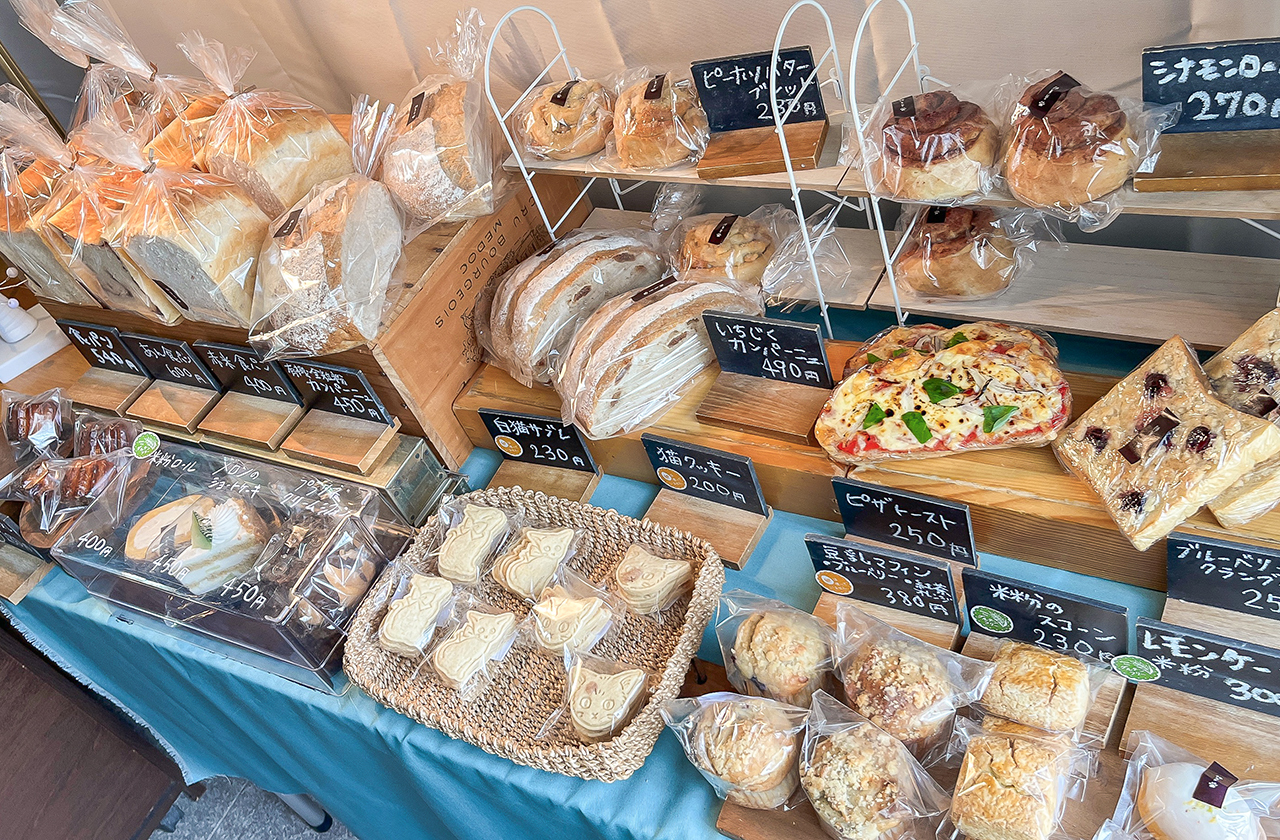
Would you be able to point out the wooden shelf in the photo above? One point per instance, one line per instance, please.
(1128, 293)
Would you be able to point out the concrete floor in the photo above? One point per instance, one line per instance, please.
(236, 809)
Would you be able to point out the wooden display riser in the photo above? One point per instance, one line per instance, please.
(732, 532)
(575, 485)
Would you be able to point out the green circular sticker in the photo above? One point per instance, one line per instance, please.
(1135, 668)
(145, 445)
(991, 619)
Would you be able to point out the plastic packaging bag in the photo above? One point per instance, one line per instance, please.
(73, 484)
(771, 649)
(940, 147)
(419, 606)
(1068, 149)
(344, 564)
(38, 16)
(672, 204)
(275, 145)
(649, 583)
(532, 558)
(565, 120)
(1159, 445)
(862, 782)
(788, 278)
(732, 246)
(747, 748)
(474, 534)
(478, 636)
(537, 306)
(909, 688)
(657, 123)
(441, 159)
(894, 342)
(1171, 794)
(1042, 688)
(600, 697)
(98, 434)
(334, 262)
(634, 356)
(572, 615)
(44, 423)
(966, 253)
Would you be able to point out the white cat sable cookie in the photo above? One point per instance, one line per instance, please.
(410, 622)
(649, 583)
(528, 565)
(469, 542)
(561, 621)
(479, 638)
(600, 703)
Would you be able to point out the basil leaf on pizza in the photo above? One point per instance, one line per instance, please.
(919, 427)
(874, 415)
(995, 416)
(872, 358)
(899, 353)
(958, 338)
(939, 389)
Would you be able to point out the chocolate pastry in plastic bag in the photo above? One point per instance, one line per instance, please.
(657, 123)
(440, 161)
(1159, 445)
(276, 146)
(99, 434)
(331, 267)
(771, 649)
(565, 120)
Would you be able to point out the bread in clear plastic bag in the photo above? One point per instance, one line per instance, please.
(789, 278)
(600, 696)
(909, 688)
(936, 147)
(532, 558)
(650, 583)
(657, 122)
(420, 605)
(274, 145)
(633, 356)
(1159, 445)
(863, 783)
(565, 120)
(771, 649)
(896, 341)
(732, 246)
(100, 434)
(1068, 149)
(920, 403)
(747, 748)
(441, 160)
(966, 253)
(477, 635)
(332, 266)
(537, 306)
(573, 615)
(1172, 794)
(1042, 688)
(672, 204)
(1245, 375)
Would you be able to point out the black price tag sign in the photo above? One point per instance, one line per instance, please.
(242, 370)
(769, 348)
(1211, 666)
(538, 440)
(340, 390)
(908, 520)
(1001, 606)
(882, 576)
(1217, 573)
(102, 347)
(703, 473)
(1222, 85)
(171, 360)
(735, 90)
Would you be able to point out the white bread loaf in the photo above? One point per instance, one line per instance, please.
(630, 359)
(27, 182)
(46, 275)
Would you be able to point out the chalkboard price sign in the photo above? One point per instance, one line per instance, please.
(171, 360)
(1001, 606)
(1212, 666)
(340, 390)
(242, 370)
(102, 347)
(538, 440)
(735, 90)
(908, 520)
(703, 473)
(1232, 576)
(769, 348)
(1223, 85)
(883, 576)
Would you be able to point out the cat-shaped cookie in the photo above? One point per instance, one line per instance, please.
(649, 583)
(561, 621)
(528, 565)
(600, 703)
(411, 621)
(469, 542)
(479, 638)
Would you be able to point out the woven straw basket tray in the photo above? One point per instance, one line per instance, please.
(528, 687)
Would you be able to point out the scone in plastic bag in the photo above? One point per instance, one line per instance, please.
(771, 649)
(893, 342)
(720, 245)
(275, 145)
(333, 263)
(1068, 149)
(1172, 794)
(572, 615)
(940, 147)
(862, 782)
(467, 538)
(419, 606)
(966, 253)
(1041, 688)
(565, 120)
(601, 696)
(471, 646)
(909, 688)
(440, 161)
(637, 353)
(657, 123)
(747, 748)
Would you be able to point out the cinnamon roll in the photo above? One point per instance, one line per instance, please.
(956, 252)
(936, 147)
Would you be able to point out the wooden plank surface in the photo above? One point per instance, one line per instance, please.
(173, 405)
(575, 485)
(744, 403)
(944, 634)
(251, 419)
(335, 440)
(1214, 161)
(111, 391)
(757, 151)
(733, 533)
(19, 573)
(1257, 629)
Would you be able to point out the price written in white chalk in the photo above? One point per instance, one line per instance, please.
(1219, 573)
(538, 440)
(909, 520)
(1221, 86)
(721, 477)
(171, 360)
(241, 369)
(881, 576)
(734, 91)
(102, 347)
(331, 388)
(769, 348)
